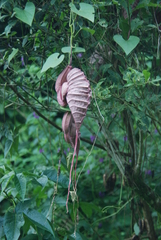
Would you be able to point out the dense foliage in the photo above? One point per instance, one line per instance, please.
(117, 45)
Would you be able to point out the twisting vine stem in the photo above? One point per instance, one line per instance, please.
(72, 30)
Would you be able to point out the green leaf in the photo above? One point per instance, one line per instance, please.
(103, 23)
(136, 229)
(8, 145)
(74, 50)
(125, 27)
(79, 49)
(136, 23)
(16, 139)
(91, 31)
(78, 236)
(27, 14)
(15, 145)
(1, 132)
(127, 7)
(8, 28)
(6, 179)
(52, 61)
(2, 4)
(30, 237)
(20, 183)
(152, 26)
(144, 4)
(2, 169)
(88, 208)
(12, 224)
(86, 10)
(158, 79)
(146, 74)
(24, 41)
(52, 2)
(39, 220)
(52, 175)
(8, 134)
(22, 206)
(60, 201)
(105, 67)
(42, 180)
(127, 45)
(12, 55)
(1, 227)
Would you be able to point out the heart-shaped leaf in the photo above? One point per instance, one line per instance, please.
(127, 45)
(52, 61)
(27, 14)
(86, 10)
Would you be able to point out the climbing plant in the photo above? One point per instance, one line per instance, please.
(57, 59)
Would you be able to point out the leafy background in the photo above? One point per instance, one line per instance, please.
(117, 45)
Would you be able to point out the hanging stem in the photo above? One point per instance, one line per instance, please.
(76, 144)
(70, 175)
(75, 172)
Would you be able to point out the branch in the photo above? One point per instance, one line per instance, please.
(139, 161)
(29, 104)
(131, 136)
(149, 221)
